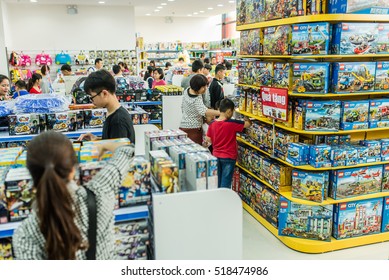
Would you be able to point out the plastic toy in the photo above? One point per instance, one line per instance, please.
(63, 58)
(277, 40)
(309, 185)
(82, 59)
(379, 113)
(250, 42)
(322, 116)
(311, 77)
(383, 38)
(304, 221)
(355, 115)
(310, 39)
(385, 215)
(274, 9)
(264, 73)
(43, 59)
(315, 7)
(356, 181)
(358, 7)
(353, 77)
(352, 219)
(382, 76)
(355, 38)
(249, 11)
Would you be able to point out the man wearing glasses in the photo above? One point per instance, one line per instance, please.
(100, 86)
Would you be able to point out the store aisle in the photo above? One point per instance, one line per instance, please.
(259, 243)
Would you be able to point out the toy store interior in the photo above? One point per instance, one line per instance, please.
(142, 93)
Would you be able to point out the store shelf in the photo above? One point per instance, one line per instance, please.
(155, 121)
(162, 51)
(7, 230)
(161, 58)
(146, 103)
(316, 18)
(328, 56)
(304, 132)
(192, 50)
(315, 246)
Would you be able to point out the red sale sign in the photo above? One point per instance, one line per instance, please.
(275, 103)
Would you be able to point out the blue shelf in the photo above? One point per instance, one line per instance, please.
(155, 121)
(146, 103)
(121, 215)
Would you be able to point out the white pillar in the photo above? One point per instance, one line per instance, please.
(3, 53)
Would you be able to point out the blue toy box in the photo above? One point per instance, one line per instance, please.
(382, 75)
(354, 38)
(374, 150)
(311, 77)
(384, 149)
(332, 140)
(379, 113)
(385, 178)
(309, 186)
(352, 182)
(311, 38)
(383, 38)
(385, 215)
(282, 75)
(362, 153)
(344, 139)
(264, 72)
(358, 7)
(353, 77)
(355, 115)
(357, 218)
(298, 154)
(304, 221)
(320, 156)
(322, 115)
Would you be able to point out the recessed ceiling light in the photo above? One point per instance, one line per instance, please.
(231, 1)
(170, 0)
(101, 2)
(210, 8)
(220, 5)
(156, 10)
(160, 7)
(33, 1)
(163, 4)
(189, 15)
(201, 11)
(148, 14)
(195, 13)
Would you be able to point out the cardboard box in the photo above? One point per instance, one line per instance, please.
(311, 38)
(349, 77)
(311, 77)
(277, 40)
(355, 115)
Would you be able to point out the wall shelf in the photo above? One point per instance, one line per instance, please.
(313, 57)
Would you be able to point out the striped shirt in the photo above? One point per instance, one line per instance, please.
(193, 110)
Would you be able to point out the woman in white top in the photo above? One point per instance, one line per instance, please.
(46, 81)
(193, 108)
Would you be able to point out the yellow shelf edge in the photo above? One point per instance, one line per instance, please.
(315, 18)
(326, 56)
(315, 246)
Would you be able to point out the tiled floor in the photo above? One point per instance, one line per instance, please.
(260, 244)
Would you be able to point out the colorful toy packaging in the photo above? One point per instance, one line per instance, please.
(264, 73)
(293, 8)
(277, 40)
(298, 154)
(274, 9)
(275, 174)
(358, 7)
(379, 113)
(320, 156)
(212, 169)
(354, 38)
(94, 118)
(383, 38)
(23, 124)
(311, 186)
(269, 205)
(355, 181)
(196, 172)
(249, 11)
(247, 71)
(304, 221)
(311, 77)
(5, 249)
(61, 122)
(164, 171)
(374, 150)
(250, 42)
(311, 39)
(385, 178)
(357, 218)
(282, 77)
(315, 7)
(385, 215)
(355, 115)
(353, 77)
(382, 75)
(320, 115)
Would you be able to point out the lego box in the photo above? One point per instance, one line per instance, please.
(354, 38)
(373, 150)
(249, 11)
(311, 77)
(353, 77)
(264, 73)
(358, 7)
(277, 40)
(298, 154)
(309, 186)
(311, 39)
(282, 77)
(315, 7)
(304, 221)
(355, 115)
(385, 215)
(247, 71)
(385, 178)
(382, 75)
(322, 116)
(383, 38)
(250, 42)
(379, 113)
(357, 218)
(274, 9)
(320, 156)
(293, 8)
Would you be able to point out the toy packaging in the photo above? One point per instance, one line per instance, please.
(247, 71)
(382, 75)
(374, 150)
(88, 170)
(311, 38)
(275, 174)
(320, 156)
(293, 8)
(5, 249)
(322, 116)
(264, 73)
(353, 77)
(384, 149)
(354, 38)
(385, 215)
(212, 169)
(358, 7)
(282, 139)
(94, 118)
(311, 77)
(274, 9)
(23, 124)
(356, 181)
(249, 102)
(315, 7)
(282, 75)
(332, 140)
(250, 42)
(62, 122)
(383, 38)
(309, 186)
(196, 172)
(268, 206)
(277, 40)
(379, 113)
(355, 115)
(357, 218)
(298, 154)
(245, 182)
(249, 11)
(385, 178)
(164, 171)
(304, 221)
(344, 139)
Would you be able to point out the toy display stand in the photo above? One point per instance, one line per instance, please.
(298, 244)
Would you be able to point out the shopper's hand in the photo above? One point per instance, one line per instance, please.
(110, 147)
(87, 137)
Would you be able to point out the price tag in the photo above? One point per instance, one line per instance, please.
(275, 103)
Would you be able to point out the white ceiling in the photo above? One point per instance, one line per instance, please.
(148, 7)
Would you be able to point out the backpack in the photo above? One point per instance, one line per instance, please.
(78, 92)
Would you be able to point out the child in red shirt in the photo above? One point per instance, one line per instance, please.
(222, 134)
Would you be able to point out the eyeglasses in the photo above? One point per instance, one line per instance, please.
(92, 97)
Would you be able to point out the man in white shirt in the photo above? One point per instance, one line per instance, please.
(98, 65)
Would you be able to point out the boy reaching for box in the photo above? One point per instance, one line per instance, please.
(222, 134)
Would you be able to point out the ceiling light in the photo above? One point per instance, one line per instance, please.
(33, 1)
(195, 13)
(189, 15)
(160, 7)
(156, 10)
(148, 14)
(210, 8)
(163, 4)
(201, 11)
(170, 0)
(101, 2)
(231, 1)
(220, 5)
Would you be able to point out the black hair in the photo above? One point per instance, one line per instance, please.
(228, 65)
(181, 59)
(121, 63)
(197, 65)
(168, 64)
(66, 67)
(208, 66)
(150, 69)
(100, 80)
(116, 69)
(44, 69)
(152, 62)
(35, 77)
(21, 84)
(160, 72)
(226, 104)
(219, 67)
(97, 60)
(206, 60)
(3, 77)
(198, 81)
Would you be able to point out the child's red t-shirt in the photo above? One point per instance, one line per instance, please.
(223, 137)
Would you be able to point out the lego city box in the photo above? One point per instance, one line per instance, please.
(320, 156)
(309, 186)
(250, 42)
(322, 116)
(374, 150)
(382, 75)
(311, 38)
(275, 174)
(385, 178)
(379, 113)
(383, 38)
(349, 77)
(282, 140)
(355, 115)
(311, 77)
(357, 218)
(358, 181)
(249, 11)
(298, 154)
(385, 215)
(304, 221)
(358, 7)
(354, 38)
(277, 40)
(384, 149)
(282, 76)
(23, 124)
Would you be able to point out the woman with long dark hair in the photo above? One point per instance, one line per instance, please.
(57, 228)
(4, 87)
(34, 84)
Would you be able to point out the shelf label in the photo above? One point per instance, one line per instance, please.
(275, 103)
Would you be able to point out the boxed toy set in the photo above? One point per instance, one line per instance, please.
(385, 215)
(275, 174)
(304, 221)
(277, 40)
(311, 38)
(382, 75)
(23, 124)
(247, 71)
(311, 77)
(357, 218)
(355, 115)
(320, 156)
(264, 73)
(293, 8)
(354, 38)
(5, 249)
(353, 77)
(315, 7)
(282, 76)
(62, 122)
(268, 204)
(94, 118)
(249, 11)
(385, 178)
(311, 186)
(383, 38)
(374, 150)
(352, 182)
(358, 7)
(196, 172)
(379, 113)
(298, 154)
(164, 171)
(274, 9)
(250, 42)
